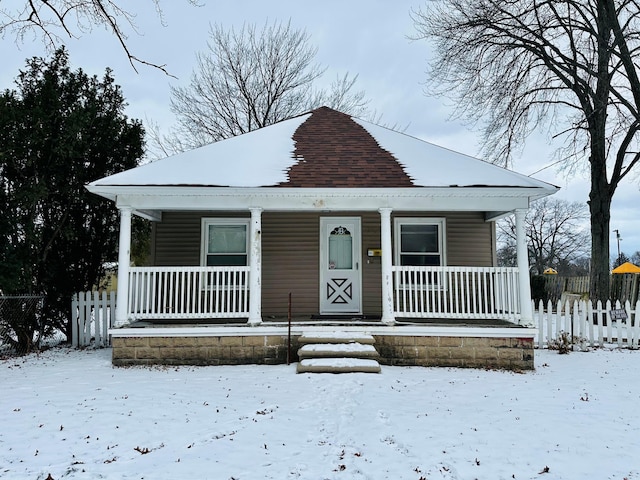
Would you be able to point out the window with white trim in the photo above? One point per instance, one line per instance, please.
(225, 242)
(419, 241)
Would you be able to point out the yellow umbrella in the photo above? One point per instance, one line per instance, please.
(626, 267)
(550, 271)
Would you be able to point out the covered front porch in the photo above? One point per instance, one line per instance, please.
(468, 316)
(371, 284)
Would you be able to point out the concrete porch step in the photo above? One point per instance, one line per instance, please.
(338, 365)
(337, 352)
(336, 337)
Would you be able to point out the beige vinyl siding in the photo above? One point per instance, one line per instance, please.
(177, 239)
(371, 266)
(290, 252)
(290, 246)
(469, 240)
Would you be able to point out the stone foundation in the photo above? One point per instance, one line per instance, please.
(240, 350)
(476, 352)
(402, 350)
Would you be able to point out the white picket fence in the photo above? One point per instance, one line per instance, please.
(587, 325)
(92, 313)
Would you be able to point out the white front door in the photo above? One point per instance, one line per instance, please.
(340, 261)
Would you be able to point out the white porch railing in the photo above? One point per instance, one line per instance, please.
(419, 292)
(188, 292)
(456, 292)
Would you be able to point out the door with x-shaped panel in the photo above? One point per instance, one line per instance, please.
(340, 257)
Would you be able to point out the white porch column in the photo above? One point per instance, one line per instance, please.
(526, 312)
(124, 259)
(387, 274)
(255, 269)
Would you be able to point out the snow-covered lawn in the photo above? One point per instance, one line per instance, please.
(70, 414)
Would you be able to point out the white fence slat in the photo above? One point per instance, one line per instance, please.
(549, 322)
(74, 323)
(631, 341)
(97, 314)
(112, 311)
(540, 330)
(600, 320)
(589, 320)
(619, 333)
(104, 320)
(636, 327)
(86, 325)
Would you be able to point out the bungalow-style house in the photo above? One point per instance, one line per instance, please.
(335, 223)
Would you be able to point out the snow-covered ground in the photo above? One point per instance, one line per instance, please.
(70, 414)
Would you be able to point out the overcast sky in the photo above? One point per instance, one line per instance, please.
(368, 38)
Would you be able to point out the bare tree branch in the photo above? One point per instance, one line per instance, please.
(251, 78)
(46, 17)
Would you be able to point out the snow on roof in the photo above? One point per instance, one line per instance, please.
(254, 159)
(431, 165)
(323, 148)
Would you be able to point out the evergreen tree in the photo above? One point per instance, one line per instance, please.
(59, 130)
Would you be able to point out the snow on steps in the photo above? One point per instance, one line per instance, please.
(337, 352)
(353, 350)
(336, 337)
(338, 365)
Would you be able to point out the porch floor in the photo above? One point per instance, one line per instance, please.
(322, 320)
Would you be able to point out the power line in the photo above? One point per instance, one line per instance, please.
(545, 167)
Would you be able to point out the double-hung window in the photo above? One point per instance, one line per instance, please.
(225, 242)
(420, 241)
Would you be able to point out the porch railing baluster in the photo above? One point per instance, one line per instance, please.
(456, 292)
(188, 292)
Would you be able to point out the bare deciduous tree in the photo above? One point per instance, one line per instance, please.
(252, 78)
(555, 234)
(566, 64)
(51, 19)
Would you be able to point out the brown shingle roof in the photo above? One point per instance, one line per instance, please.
(334, 151)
